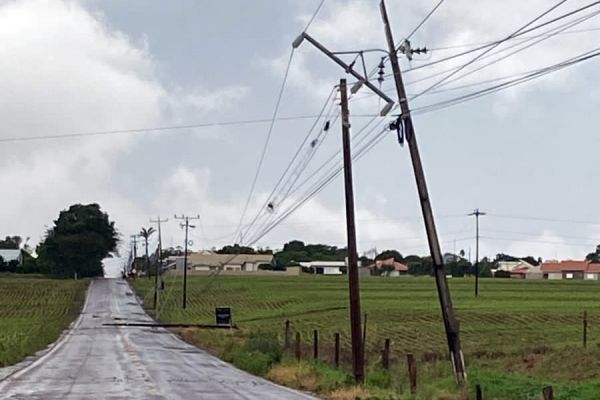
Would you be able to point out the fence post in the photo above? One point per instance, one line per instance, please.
(336, 355)
(385, 355)
(315, 344)
(478, 392)
(298, 350)
(585, 326)
(548, 393)
(286, 343)
(412, 372)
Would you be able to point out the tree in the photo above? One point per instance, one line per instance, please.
(236, 249)
(595, 256)
(146, 233)
(81, 238)
(390, 254)
(11, 242)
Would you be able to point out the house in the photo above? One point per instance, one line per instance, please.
(394, 268)
(567, 269)
(525, 272)
(593, 271)
(324, 267)
(208, 261)
(510, 266)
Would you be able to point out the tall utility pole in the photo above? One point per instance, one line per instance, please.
(185, 225)
(476, 213)
(159, 261)
(450, 322)
(353, 283)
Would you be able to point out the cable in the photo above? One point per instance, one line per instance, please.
(512, 35)
(266, 144)
(556, 31)
(310, 21)
(424, 19)
(543, 71)
(534, 218)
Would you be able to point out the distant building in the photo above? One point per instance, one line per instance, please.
(510, 266)
(324, 267)
(208, 261)
(570, 269)
(394, 269)
(9, 255)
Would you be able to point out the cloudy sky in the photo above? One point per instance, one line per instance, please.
(526, 155)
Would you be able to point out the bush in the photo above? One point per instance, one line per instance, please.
(254, 362)
(266, 343)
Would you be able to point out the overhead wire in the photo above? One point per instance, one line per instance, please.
(424, 20)
(477, 57)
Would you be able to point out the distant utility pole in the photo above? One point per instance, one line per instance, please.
(358, 363)
(185, 225)
(405, 123)
(134, 239)
(159, 261)
(476, 213)
(450, 322)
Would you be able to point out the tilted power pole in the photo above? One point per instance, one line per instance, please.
(450, 322)
(185, 225)
(158, 221)
(476, 213)
(358, 360)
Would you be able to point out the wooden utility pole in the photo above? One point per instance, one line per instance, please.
(450, 322)
(159, 261)
(358, 366)
(476, 213)
(187, 226)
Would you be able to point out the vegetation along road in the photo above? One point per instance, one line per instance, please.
(97, 360)
(518, 336)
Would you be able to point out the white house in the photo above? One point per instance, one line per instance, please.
(208, 261)
(324, 267)
(9, 255)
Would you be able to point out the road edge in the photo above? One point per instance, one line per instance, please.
(34, 360)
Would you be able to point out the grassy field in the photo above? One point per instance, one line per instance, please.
(33, 313)
(517, 336)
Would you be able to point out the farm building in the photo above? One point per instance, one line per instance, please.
(208, 261)
(570, 269)
(524, 272)
(324, 267)
(510, 266)
(391, 267)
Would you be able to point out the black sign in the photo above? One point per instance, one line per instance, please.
(223, 315)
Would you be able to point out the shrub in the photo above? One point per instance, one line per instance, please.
(254, 362)
(266, 343)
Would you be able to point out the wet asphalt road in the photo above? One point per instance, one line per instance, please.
(110, 362)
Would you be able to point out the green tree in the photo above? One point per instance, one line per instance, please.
(384, 255)
(81, 238)
(11, 242)
(146, 233)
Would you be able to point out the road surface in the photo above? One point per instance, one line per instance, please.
(95, 361)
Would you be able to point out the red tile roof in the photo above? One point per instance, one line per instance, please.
(567, 265)
(398, 266)
(593, 267)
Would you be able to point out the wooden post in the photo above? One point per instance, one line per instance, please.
(336, 355)
(286, 342)
(548, 393)
(478, 392)
(585, 326)
(385, 355)
(412, 372)
(298, 350)
(315, 344)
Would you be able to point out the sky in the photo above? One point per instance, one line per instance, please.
(526, 155)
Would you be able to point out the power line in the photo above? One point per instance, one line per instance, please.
(163, 128)
(553, 242)
(474, 59)
(545, 219)
(424, 19)
(312, 18)
(505, 85)
(267, 140)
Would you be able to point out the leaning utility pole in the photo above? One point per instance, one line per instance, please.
(476, 213)
(185, 225)
(159, 261)
(450, 322)
(358, 363)
(134, 239)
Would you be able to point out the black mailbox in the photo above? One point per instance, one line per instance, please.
(223, 315)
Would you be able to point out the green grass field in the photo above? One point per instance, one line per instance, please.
(517, 336)
(33, 313)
